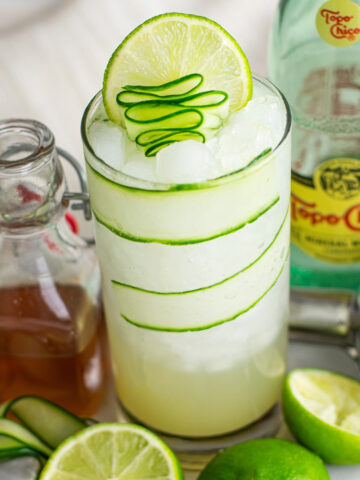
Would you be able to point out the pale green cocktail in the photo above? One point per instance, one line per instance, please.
(193, 247)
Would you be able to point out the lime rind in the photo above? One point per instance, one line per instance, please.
(186, 38)
(105, 450)
(265, 458)
(314, 428)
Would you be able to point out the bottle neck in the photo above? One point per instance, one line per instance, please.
(32, 180)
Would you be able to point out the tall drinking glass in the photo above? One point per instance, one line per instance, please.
(195, 283)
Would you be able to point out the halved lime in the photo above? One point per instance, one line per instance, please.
(110, 451)
(322, 410)
(265, 459)
(170, 46)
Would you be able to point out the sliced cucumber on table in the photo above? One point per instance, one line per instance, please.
(41, 427)
(49, 422)
(21, 434)
(11, 448)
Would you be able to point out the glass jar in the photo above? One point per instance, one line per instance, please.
(52, 341)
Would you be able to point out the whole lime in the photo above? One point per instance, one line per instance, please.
(265, 459)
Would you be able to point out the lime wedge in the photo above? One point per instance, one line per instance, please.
(173, 45)
(322, 410)
(110, 451)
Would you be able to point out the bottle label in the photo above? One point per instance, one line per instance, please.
(325, 211)
(338, 22)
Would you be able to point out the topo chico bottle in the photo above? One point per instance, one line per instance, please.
(315, 60)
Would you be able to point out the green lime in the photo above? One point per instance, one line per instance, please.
(322, 410)
(170, 46)
(265, 459)
(113, 451)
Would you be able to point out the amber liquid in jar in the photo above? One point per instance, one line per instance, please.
(53, 344)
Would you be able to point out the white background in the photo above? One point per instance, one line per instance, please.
(52, 65)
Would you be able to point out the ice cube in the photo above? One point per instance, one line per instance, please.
(108, 141)
(248, 133)
(140, 167)
(270, 111)
(186, 162)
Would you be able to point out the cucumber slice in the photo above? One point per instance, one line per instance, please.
(150, 116)
(145, 112)
(214, 101)
(129, 98)
(9, 443)
(49, 422)
(139, 119)
(211, 98)
(197, 265)
(184, 214)
(157, 111)
(11, 448)
(174, 91)
(180, 86)
(154, 149)
(4, 407)
(151, 136)
(208, 306)
(22, 435)
(157, 139)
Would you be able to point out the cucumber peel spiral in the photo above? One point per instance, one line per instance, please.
(156, 116)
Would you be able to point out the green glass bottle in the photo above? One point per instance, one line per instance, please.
(314, 59)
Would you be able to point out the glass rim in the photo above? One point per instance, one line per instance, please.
(146, 185)
(44, 144)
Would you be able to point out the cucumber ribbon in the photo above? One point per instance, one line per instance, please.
(156, 116)
(40, 427)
